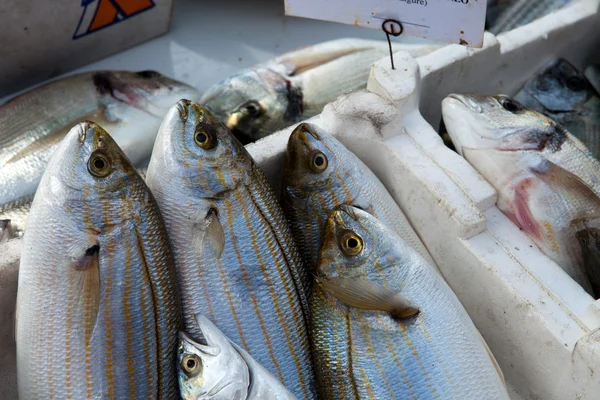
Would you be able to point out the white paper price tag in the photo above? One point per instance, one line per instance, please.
(454, 21)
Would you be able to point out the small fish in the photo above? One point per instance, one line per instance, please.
(562, 93)
(218, 369)
(548, 182)
(321, 174)
(236, 260)
(258, 101)
(522, 12)
(414, 341)
(97, 297)
(130, 105)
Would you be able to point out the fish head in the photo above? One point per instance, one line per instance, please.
(253, 103)
(89, 158)
(352, 241)
(312, 161)
(193, 144)
(149, 91)
(210, 368)
(560, 88)
(498, 123)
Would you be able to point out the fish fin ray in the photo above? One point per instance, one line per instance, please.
(366, 295)
(208, 233)
(522, 213)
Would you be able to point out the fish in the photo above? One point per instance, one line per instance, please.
(320, 173)
(218, 369)
(547, 181)
(14, 214)
(10, 251)
(562, 93)
(427, 348)
(294, 86)
(130, 105)
(236, 259)
(522, 12)
(97, 295)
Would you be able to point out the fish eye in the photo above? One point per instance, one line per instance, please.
(510, 105)
(191, 364)
(576, 83)
(351, 244)
(318, 162)
(148, 74)
(252, 109)
(204, 139)
(99, 165)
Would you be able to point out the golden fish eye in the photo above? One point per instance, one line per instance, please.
(99, 165)
(351, 244)
(204, 139)
(191, 364)
(318, 162)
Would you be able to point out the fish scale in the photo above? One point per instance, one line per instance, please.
(129, 351)
(371, 355)
(250, 288)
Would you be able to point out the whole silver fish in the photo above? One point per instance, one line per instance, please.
(218, 369)
(97, 298)
(321, 174)
(548, 182)
(130, 105)
(258, 101)
(562, 93)
(14, 214)
(385, 325)
(236, 260)
(522, 12)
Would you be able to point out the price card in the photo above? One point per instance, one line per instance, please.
(454, 21)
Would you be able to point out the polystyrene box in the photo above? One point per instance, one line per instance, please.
(540, 324)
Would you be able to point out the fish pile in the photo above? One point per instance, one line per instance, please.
(189, 284)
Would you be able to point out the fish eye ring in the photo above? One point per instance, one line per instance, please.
(191, 364)
(351, 244)
(204, 139)
(510, 105)
(99, 165)
(318, 162)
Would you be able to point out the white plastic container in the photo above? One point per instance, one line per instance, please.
(541, 325)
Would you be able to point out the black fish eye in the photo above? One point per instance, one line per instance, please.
(148, 74)
(576, 83)
(252, 109)
(510, 105)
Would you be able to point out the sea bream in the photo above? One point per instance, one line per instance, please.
(98, 310)
(548, 182)
(385, 325)
(130, 105)
(235, 256)
(217, 369)
(321, 174)
(260, 100)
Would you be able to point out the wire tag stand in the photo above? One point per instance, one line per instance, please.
(392, 27)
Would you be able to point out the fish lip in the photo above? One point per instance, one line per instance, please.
(466, 100)
(458, 97)
(182, 108)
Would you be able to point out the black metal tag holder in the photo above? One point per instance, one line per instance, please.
(392, 27)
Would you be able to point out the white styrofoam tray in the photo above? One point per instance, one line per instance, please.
(540, 324)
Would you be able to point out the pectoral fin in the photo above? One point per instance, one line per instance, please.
(589, 240)
(569, 186)
(85, 270)
(208, 234)
(366, 295)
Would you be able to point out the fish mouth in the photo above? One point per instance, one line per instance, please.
(182, 108)
(466, 100)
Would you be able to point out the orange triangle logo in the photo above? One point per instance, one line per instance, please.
(100, 14)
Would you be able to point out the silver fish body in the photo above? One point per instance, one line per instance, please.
(361, 354)
(218, 369)
(235, 256)
(564, 94)
(258, 101)
(129, 104)
(311, 192)
(97, 296)
(548, 182)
